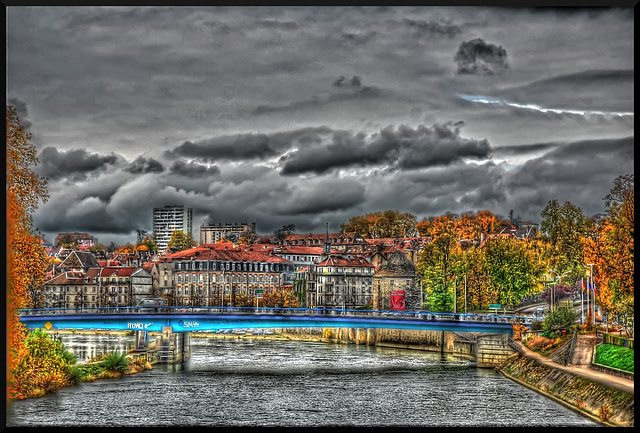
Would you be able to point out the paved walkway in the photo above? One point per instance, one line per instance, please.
(582, 370)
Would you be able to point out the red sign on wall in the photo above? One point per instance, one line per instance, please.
(397, 300)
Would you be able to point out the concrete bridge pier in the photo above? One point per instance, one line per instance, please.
(491, 349)
(142, 340)
(174, 347)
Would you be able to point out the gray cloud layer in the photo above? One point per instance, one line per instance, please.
(304, 115)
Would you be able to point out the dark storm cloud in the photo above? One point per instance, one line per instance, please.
(193, 169)
(401, 147)
(245, 146)
(142, 165)
(480, 58)
(602, 89)
(523, 149)
(328, 196)
(580, 172)
(74, 164)
(430, 28)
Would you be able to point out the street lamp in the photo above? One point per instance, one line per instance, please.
(557, 279)
(594, 293)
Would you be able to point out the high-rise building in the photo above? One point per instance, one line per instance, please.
(169, 218)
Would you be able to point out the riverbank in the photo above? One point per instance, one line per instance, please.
(603, 403)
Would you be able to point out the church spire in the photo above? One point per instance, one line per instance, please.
(326, 250)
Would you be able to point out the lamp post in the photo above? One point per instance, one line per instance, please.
(465, 293)
(594, 293)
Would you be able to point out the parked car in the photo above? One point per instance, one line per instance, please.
(152, 305)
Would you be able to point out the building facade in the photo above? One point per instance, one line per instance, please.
(395, 285)
(169, 218)
(223, 277)
(212, 233)
(341, 282)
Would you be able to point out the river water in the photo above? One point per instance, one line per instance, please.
(236, 382)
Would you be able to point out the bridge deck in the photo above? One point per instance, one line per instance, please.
(183, 322)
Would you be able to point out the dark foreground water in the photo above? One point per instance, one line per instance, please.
(286, 383)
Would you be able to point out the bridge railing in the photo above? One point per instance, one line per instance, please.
(422, 315)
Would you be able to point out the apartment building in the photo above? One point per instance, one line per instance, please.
(341, 281)
(224, 277)
(212, 233)
(169, 218)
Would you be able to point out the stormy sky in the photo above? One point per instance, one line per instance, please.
(308, 116)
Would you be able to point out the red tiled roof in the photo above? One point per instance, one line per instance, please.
(339, 261)
(237, 255)
(121, 271)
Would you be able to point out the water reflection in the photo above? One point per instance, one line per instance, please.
(86, 347)
(288, 383)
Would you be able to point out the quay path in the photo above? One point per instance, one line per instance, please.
(585, 371)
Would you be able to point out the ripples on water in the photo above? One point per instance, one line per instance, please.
(237, 382)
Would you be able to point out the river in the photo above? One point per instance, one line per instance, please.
(236, 382)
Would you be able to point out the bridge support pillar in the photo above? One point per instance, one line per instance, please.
(142, 340)
(175, 347)
(491, 349)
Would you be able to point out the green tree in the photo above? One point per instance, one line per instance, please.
(181, 241)
(68, 241)
(563, 228)
(438, 266)
(558, 319)
(512, 271)
(284, 232)
(98, 247)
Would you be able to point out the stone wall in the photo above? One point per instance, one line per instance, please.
(433, 341)
(580, 394)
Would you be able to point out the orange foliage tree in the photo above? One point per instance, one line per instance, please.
(26, 258)
(283, 298)
(609, 245)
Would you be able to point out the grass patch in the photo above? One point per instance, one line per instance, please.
(615, 357)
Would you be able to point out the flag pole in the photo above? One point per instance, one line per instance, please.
(582, 303)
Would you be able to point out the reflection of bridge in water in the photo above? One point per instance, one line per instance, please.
(176, 323)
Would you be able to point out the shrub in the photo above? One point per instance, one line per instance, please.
(536, 325)
(44, 366)
(76, 375)
(115, 362)
(538, 342)
(559, 319)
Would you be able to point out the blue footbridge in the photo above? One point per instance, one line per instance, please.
(175, 324)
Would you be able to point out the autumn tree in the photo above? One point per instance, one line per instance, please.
(610, 248)
(247, 238)
(386, 224)
(282, 298)
(26, 258)
(181, 241)
(147, 244)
